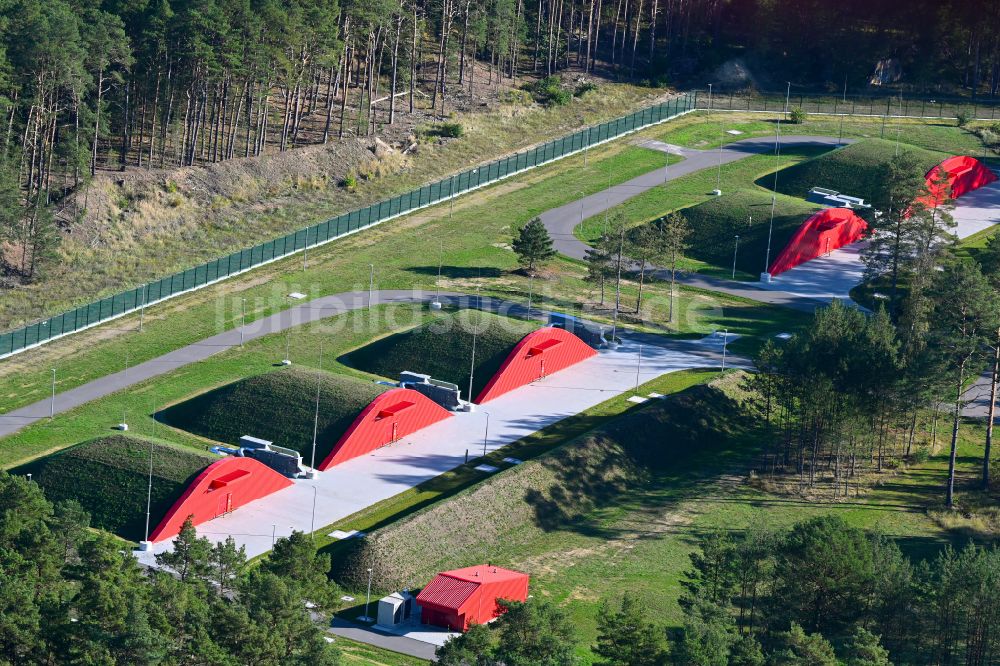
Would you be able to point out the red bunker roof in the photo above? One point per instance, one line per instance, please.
(462, 597)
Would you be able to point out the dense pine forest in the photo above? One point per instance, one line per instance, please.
(87, 85)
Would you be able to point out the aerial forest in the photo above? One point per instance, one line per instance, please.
(87, 85)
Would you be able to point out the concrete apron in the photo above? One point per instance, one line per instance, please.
(361, 482)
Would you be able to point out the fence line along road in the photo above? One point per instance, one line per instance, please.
(873, 106)
(137, 299)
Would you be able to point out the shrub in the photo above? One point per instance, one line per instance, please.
(962, 117)
(797, 116)
(350, 180)
(549, 92)
(450, 130)
(584, 88)
(517, 97)
(989, 135)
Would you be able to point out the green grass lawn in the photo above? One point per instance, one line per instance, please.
(590, 525)
(442, 348)
(109, 477)
(741, 200)
(278, 406)
(704, 131)
(361, 654)
(527, 448)
(471, 242)
(856, 169)
(744, 213)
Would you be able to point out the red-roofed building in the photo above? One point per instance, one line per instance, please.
(463, 597)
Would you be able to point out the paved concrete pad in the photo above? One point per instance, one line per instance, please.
(361, 482)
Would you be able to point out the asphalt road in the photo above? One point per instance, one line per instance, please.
(314, 310)
(382, 639)
(561, 221)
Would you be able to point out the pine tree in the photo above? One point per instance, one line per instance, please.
(533, 245)
(626, 638)
(191, 555)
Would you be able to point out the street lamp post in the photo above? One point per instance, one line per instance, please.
(472, 363)
(146, 545)
(142, 310)
(319, 376)
(638, 366)
(788, 95)
(52, 402)
(243, 319)
(736, 248)
(312, 522)
(774, 199)
(371, 284)
(531, 279)
(718, 184)
(123, 426)
(725, 342)
(368, 598)
(709, 99)
(486, 432)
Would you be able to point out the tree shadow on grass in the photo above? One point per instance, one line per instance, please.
(458, 272)
(645, 463)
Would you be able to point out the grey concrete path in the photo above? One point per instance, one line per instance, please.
(977, 397)
(562, 220)
(804, 287)
(381, 639)
(360, 482)
(314, 310)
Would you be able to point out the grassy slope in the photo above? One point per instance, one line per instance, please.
(406, 254)
(855, 169)
(527, 448)
(97, 269)
(109, 477)
(442, 349)
(741, 198)
(552, 493)
(745, 213)
(278, 406)
(930, 141)
(583, 539)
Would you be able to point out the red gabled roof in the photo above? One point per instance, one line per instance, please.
(445, 592)
(450, 589)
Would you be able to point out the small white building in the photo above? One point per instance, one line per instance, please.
(395, 609)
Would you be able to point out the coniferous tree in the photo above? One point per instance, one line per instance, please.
(533, 245)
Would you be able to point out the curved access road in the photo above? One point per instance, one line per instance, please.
(561, 221)
(305, 313)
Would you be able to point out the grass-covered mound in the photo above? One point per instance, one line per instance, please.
(857, 170)
(109, 477)
(278, 406)
(643, 461)
(716, 223)
(442, 349)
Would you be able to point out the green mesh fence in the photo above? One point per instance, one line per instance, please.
(237, 262)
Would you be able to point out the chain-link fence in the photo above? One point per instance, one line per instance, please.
(323, 232)
(898, 106)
